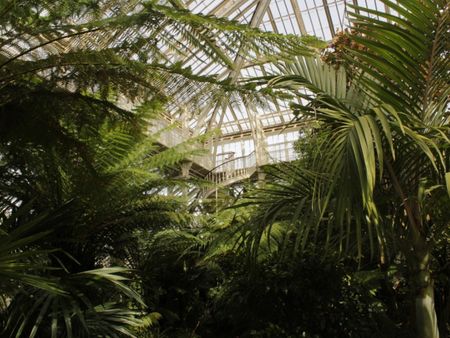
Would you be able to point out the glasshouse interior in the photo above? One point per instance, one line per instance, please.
(225, 168)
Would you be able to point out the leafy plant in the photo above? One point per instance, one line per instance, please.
(381, 156)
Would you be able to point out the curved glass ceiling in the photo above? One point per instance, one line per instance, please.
(321, 18)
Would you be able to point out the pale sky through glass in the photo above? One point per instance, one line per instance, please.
(321, 18)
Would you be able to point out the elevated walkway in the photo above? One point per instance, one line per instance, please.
(230, 172)
(170, 135)
(227, 173)
(238, 169)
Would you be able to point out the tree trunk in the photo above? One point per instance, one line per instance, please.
(426, 319)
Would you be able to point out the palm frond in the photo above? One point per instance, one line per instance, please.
(383, 129)
(75, 313)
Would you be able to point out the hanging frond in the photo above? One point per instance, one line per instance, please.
(381, 131)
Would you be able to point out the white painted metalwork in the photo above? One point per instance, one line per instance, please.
(321, 18)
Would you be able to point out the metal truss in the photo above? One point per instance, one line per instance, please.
(322, 18)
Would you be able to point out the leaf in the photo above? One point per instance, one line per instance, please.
(447, 182)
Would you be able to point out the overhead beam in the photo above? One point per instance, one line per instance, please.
(267, 130)
(355, 3)
(179, 4)
(225, 14)
(329, 19)
(238, 63)
(226, 7)
(233, 113)
(255, 21)
(272, 20)
(298, 17)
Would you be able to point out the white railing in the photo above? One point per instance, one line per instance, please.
(170, 135)
(227, 177)
(240, 168)
(235, 163)
(233, 170)
(281, 155)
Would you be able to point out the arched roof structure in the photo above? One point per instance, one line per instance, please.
(268, 131)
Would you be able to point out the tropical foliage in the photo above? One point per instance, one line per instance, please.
(100, 236)
(79, 172)
(375, 181)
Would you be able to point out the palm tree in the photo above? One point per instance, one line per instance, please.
(380, 124)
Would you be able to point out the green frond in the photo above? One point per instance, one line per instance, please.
(73, 314)
(379, 129)
(408, 51)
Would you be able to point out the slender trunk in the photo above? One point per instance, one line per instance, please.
(426, 319)
(444, 313)
(419, 254)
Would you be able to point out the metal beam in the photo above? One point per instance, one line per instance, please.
(228, 12)
(242, 11)
(267, 130)
(202, 116)
(298, 17)
(233, 75)
(355, 3)
(182, 5)
(233, 113)
(227, 7)
(272, 20)
(256, 20)
(329, 19)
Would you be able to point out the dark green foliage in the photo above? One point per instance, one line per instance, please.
(174, 282)
(78, 172)
(373, 179)
(90, 246)
(71, 149)
(205, 288)
(298, 298)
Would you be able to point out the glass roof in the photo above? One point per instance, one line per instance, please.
(321, 18)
